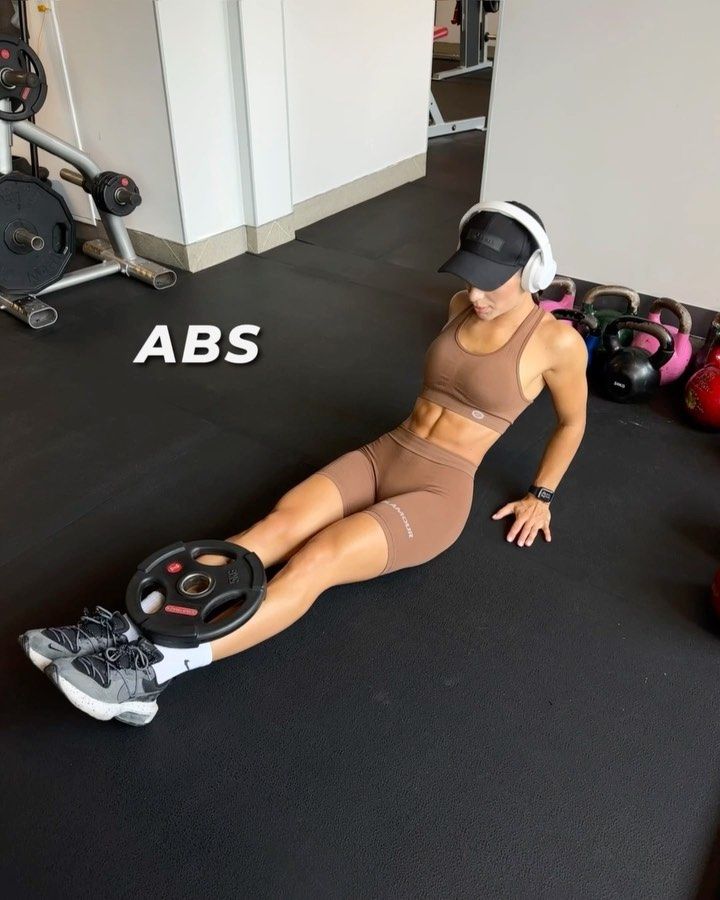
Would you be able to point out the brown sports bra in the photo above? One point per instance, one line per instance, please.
(484, 387)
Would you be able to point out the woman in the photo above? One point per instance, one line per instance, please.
(397, 502)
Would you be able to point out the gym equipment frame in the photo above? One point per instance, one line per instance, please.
(473, 41)
(472, 58)
(24, 88)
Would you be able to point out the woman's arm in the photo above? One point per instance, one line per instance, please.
(567, 382)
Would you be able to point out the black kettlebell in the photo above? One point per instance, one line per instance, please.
(631, 373)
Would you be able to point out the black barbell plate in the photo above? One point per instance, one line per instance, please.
(16, 56)
(44, 212)
(183, 619)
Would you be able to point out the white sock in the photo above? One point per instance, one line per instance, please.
(177, 660)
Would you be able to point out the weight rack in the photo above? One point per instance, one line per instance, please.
(116, 256)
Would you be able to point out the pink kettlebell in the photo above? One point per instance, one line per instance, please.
(672, 370)
(568, 299)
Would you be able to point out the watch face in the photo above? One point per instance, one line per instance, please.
(544, 494)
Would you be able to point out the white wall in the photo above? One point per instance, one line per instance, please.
(605, 120)
(358, 82)
(169, 91)
(136, 85)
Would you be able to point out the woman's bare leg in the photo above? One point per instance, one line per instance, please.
(302, 512)
(352, 549)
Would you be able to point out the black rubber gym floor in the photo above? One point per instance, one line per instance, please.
(501, 722)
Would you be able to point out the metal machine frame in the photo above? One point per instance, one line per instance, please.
(472, 58)
(439, 126)
(116, 255)
(473, 49)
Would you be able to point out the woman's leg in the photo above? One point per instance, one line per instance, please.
(352, 549)
(126, 683)
(341, 488)
(404, 529)
(298, 515)
(302, 512)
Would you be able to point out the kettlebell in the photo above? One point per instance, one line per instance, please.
(672, 370)
(609, 314)
(586, 325)
(627, 373)
(702, 396)
(567, 301)
(711, 346)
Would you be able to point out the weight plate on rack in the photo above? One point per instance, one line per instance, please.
(37, 235)
(22, 80)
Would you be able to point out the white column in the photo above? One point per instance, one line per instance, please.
(257, 51)
(194, 39)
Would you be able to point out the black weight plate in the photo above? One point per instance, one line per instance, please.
(116, 194)
(25, 101)
(45, 213)
(193, 593)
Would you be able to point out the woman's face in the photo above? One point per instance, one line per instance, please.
(491, 304)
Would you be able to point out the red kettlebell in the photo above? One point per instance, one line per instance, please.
(709, 353)
(702, 396)
(672, 370)
(567, 301)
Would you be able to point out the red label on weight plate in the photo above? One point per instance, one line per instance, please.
(181, 610)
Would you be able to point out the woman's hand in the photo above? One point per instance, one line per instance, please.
(531, 516)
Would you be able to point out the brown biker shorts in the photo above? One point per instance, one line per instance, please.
(419, 493)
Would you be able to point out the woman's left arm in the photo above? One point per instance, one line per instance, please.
(567, 381)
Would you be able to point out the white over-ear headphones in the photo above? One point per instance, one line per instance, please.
(541, 268)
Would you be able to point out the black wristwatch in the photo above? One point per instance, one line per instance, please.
(541, 493)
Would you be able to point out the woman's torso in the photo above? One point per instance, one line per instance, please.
(483, 359)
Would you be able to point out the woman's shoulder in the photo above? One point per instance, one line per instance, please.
(561, 340)
(458, 303)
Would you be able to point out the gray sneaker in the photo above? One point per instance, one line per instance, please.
(94, 632)
(118, 683)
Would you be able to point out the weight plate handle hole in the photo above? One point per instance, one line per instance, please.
(218, 612)
(153, 599)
